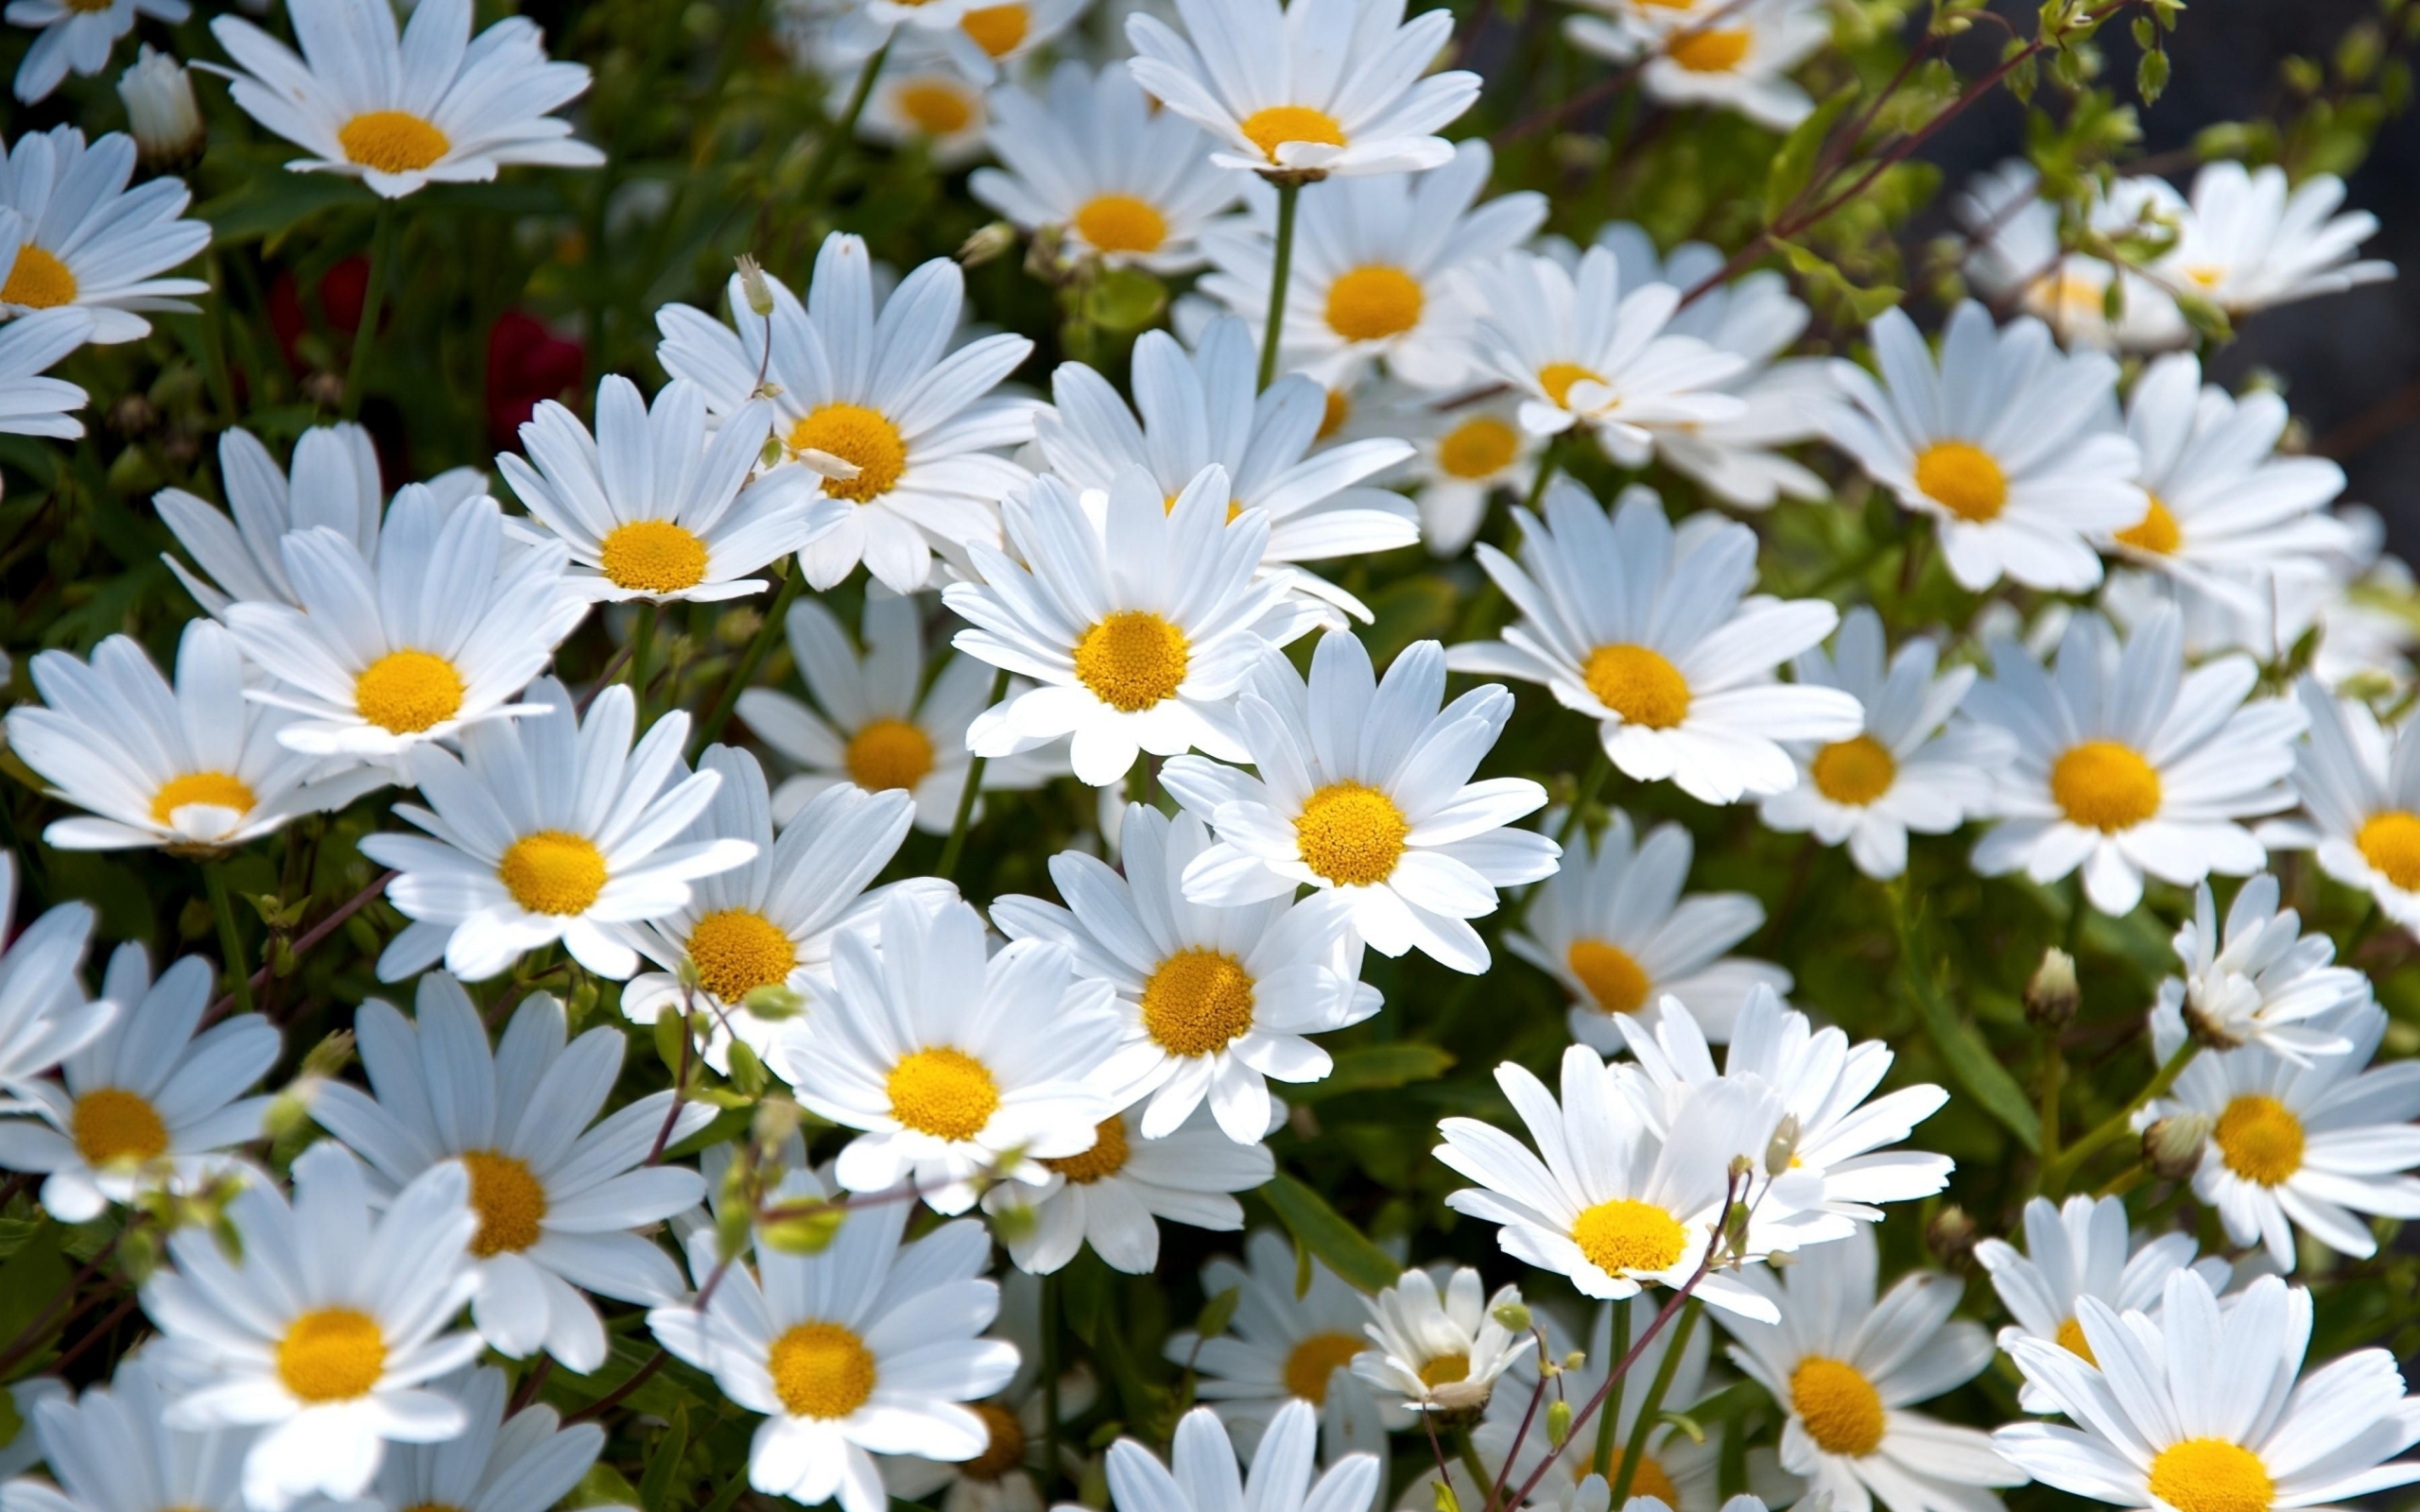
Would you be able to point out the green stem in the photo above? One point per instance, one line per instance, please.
(828, 155)
(1652, 1408)
(1468, 1451)
(230, 941)
(2055, 1174)
(373, 300)
(214, 342)
(1610, 1416)
(1288, 194)
(957, 842)
(749, 659)
(642, 646)
(1592, 783)
(1049, 1379)
(2054, 1076)
(1547, 458)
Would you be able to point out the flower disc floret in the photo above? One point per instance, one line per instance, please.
(2389, 842)
(1271, 128)
(822, 1370)
(1841, 1410)
(1626, 1234)
(404, 693)
(1963, 479)
(1107, 1157)
(39, 279)
(112, 1124)
(942, 1091)
(1132, 660)
(737, 951)
(1310, 1364)
(858, 436)
(218, 789)
(1479, 446)
(1197, 1002)
(2106, 786)
(1121, 223)
(553, 872)
(510, 1200)
(1373, 302)
(332, 1354)
(392, 141)
(1855, 771)
(1639, 684)
(1611, 975)
(653, 557)
(2211, 1476)
(1351, 835)
(2259, 1139)
(2156, 531)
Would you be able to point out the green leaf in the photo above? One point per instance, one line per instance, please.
(1795, 163)
(1318, 1230)
(29, 1283)
(1972, 1063)
(1218, 1312)
(603, 1486)
(1377, 1068)
(664, 1462)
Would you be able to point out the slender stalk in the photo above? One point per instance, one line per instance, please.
(309, 937)
(957, 841)
(1603, 1458)
(231, 940)
(1548, 459)
(1652, 1407)
(2055, 1174)
(745, 670)
(1288, 194)
(642, 645)
(373, 300)
(843, 127)
(214, 342)
(1049, 1381)
(1468, 1451)
(2054, 1076)
(1592, 783)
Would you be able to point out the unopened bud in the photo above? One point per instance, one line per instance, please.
(1575, 1360)
(1511, 1316)
(753, 287)
(774, 1002)
(161, 112)
(1735, 1229)
(330, 1055)
(1781, 1151)
(1743, 1166)
(2172, 1146)
(775, 1121)
(1951, 1237)
(808, 1232)
(994, 240)
(1557, 1422)
(2052, 995)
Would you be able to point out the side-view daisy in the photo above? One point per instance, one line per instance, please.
(2247, 241)
(1109, 1196)
(43, 1015)
(108, 1451)
(78, 36)
(400, 111)
(1204, 1478)
(498, 1464)
(1364, 788)
(2359, 787)
(1741, 64)
(1288, 1348)
(91, 242)
(1431, 1342)
(2263, 982)
(1654, 631)
(31, 404)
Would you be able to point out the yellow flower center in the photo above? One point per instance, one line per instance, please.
(2156, 531)
(1269, 128)
(332, 1354)
(1651, 1480)
(1131, 659)
(821, 1370)
(39, 279)
(945, 1092)
(1197, 1002)
(653, 557)
(1855, 772)
(1311, 1362)
(404, 692)
(222, 790)
(1839, 1407)
(112, 1125)
(1446, 1369)
(1479, 446)
(1335, 410)
(2105, 786)
(553, 872)
(1351, 835)
(510, 1200)
(2260, 1139)
(1717, 51)
(2208, 275)
(889, 753)
(1121, 223)
(855, 434)
(998, 29)
(935, 107)
(1004, 1450)
(2072, 1340)
(2211, 1476)
(1611, 975)
(1105, 1159)
(737, 951)
(1628, 1235)
(1374, 302)
(1556, 378)
(2389, 842)
(1963, 480)
(392, 141)
(1638, 684)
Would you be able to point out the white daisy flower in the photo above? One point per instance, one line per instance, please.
(860, 27)
(1139, 618)
(1129, 184)
(990, 39)
(1428, 1340)
(1287, 1350)
(1211, 1001)
(2207, 1408)
(2299, 1146)
(78, 36)
(1465, 452)
(2009, 445)
(195, 768)
(1657, 635)
(652, 507)
(771, 922)
(91, 242)
(1107, 1196)
(31, 404)
(328, 1333)
(1364, 787)
(547, 828)
(2360, 785)
(2227, 514)
(1617, 1204)
(2248, 242)
(2081, 1248)
(1846, 1368)
(525, 1462)
(1911, 769)
(878, 388)
(437, 635)
(2264, 982)
(1379, 270)
(1581, 352)
(560, 1203)
(43, 1016)
(1612, 927)
(1007, 1476)
(161, 112)
(335, 483)
(876, 723)
(1314, 88)
(1742, 63)
(432, 106)
(2015, 258)
(147, 1102)
(1205, 1479)
(2126, 762)
(866, 1345)
(952, 1084)
(923, 101)
(108, 1451)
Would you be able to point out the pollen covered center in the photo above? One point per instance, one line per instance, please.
(2072, 1340)
(332, 1354)
(1841, 1410)
(1611, 975)
(404, 693)
(653, 557)
(1717, 51)
(1267, 128)
(1444, 1370)
(1479, 446)
(392, 141)
(1351, 835)
(222, 790)
(856, 434)
(39, 279)
(510, 1200)
(737, 951)
(2105, 786)
(1373, 302)
(1556, 378)
(553, 872)
(1963, 480)
(889, 753)
(1638, 684)
(2211, 1476)
(2156, 531)
(936, 107)
(2389, 842)
(1310, 1364)
(1105, 1159)
(1121, 223)
(942, 1091)
(821, 1370)
(1003, 1445)
(2260, 1139)
(1197, 1002)
(112, 1124)
(1133, 659)
(1628, 1235)
(998, 29)
(1853, 772)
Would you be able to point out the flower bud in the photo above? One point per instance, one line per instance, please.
(1782, 1150)
(1557, 1422)
(776, 1119)
(2173, 1145)
(161, 112)
(330, 1055)
(809, 1232)
(1511, 1315)
(753, 285)
(774, 1002)
(2052, 995)
(1951, 1237)
(989, 242)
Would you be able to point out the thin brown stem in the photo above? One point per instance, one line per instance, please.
(310, 938)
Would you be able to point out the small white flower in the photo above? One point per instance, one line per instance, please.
(525, 1462)
(110, 1452)
(1741, 62)
(90, 241)
(1107, 1196)
(78, 36)
(924, 101)
(43, 1016)
(161, 112)
(2359, 787)
(1427, 1341)
(2264, 981)
(1206, 1478)
(1465, 451)
(2248, 242)
(993, 36)
(31, 404)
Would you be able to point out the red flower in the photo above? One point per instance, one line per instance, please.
(527, 362)
(339, 295)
